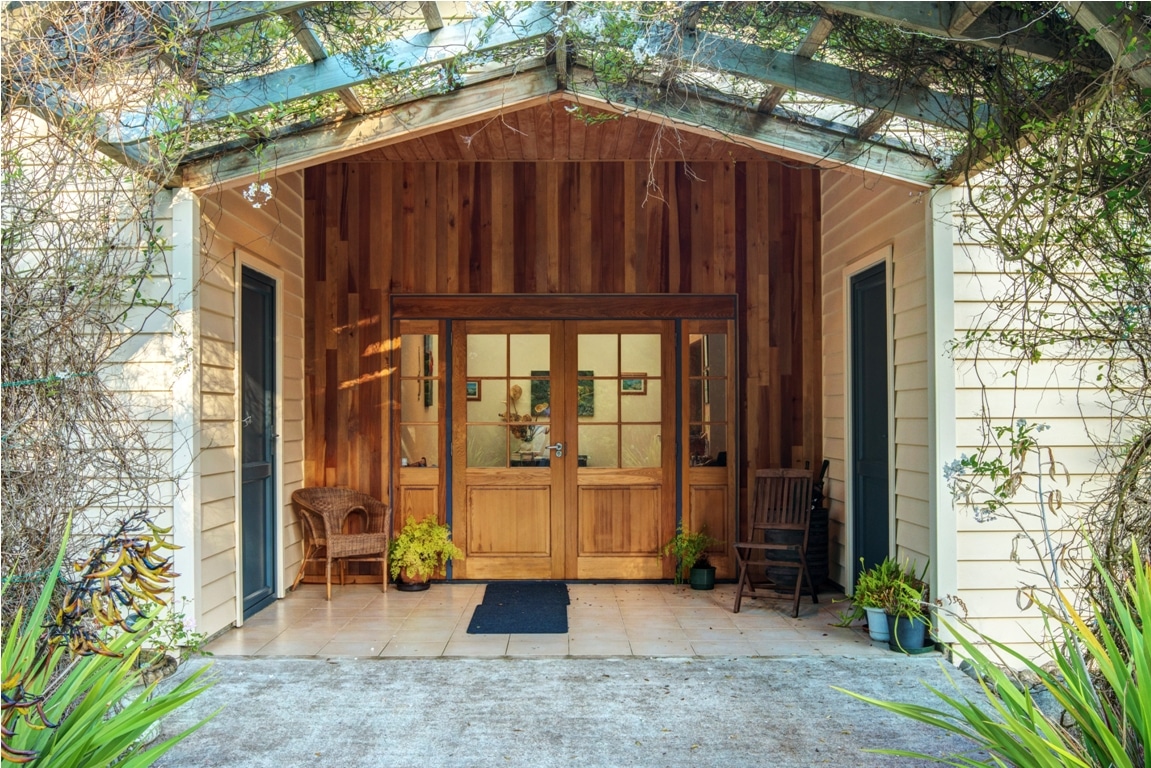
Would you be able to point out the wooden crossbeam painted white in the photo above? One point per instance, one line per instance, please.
(412, 52)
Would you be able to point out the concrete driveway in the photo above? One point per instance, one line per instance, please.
(626, 711)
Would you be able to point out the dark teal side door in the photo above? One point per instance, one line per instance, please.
(869, 416)
(258, 436)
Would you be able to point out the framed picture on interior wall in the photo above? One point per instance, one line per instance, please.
(633, 383)
(472, 388)
(585, 392)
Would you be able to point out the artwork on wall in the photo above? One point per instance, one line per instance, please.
(585, 392)
(472, 389)
(633, 383)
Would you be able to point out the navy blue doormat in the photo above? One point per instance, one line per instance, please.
(522, 608)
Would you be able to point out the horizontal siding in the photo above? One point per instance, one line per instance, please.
(859, 217)
(993, 387)
(271, 237)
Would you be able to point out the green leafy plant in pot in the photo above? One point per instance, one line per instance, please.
(872, 587)
(421, 550)
(689, 550)
(905, 607)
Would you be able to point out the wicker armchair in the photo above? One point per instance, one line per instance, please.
(322, 512)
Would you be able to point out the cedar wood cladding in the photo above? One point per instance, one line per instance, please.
(715, 227)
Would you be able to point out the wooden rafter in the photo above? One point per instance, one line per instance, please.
(341, 71)
(828, 81)
(963, 15)
(216, 16)
(359, 134)
(730, 121)
(1007, 32)
(432, 16)
(307, 38)
(1118, 32)
(816, 36)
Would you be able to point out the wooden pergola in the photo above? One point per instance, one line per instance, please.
(806, 101)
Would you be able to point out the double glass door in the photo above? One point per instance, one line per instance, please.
(563, 449)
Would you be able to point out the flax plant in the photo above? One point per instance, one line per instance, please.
(68, 672)
(1100, 678)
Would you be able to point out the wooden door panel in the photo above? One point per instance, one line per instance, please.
(509, 521)
(417, 503)
(619, 521)
(710, 510)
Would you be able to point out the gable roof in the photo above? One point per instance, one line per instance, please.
(788, 80)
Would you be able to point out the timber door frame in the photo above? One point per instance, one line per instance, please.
(598, 307)
(851, 271)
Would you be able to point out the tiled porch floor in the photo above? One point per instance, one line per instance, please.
(603, 620)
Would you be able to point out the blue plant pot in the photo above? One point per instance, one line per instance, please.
(907, 635)
(702, 578)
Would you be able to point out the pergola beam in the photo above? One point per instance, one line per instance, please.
(816, 37)
(315, 49)
(216, 16)
(360, 134)
(829, 81)
(731, 121)
(341, 71)
(1118, 31)
(432, 17)
(963, 15)
(932, 18)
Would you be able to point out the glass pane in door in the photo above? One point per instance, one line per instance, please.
(508, 395)
(419, 400)
(624, 428)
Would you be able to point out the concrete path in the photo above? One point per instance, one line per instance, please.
(779, 712)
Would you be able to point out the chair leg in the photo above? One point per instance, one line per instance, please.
(328, 578)
(743, 576)
(384, 575)
(303, 566)
(810, 583)
(798, 589)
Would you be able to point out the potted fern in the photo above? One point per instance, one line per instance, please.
(420, 550)
(689, 550)
(872, 588)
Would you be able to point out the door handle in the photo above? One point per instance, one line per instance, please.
(558, 448)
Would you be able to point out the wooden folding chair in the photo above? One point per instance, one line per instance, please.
(777, 540)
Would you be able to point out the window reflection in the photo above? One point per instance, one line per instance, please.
(708, 432)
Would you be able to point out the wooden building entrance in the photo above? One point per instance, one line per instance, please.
(566, 448)
(563, 448)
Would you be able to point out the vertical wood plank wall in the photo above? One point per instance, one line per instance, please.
(378, 229)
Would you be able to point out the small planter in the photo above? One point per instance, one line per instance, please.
(908, 635)
(410, 583)
(703, 578)
(877, 624)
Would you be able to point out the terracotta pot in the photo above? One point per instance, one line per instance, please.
(410, 582)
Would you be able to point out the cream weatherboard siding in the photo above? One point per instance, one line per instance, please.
(865, 221)
(991, 383)
(268, 239)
